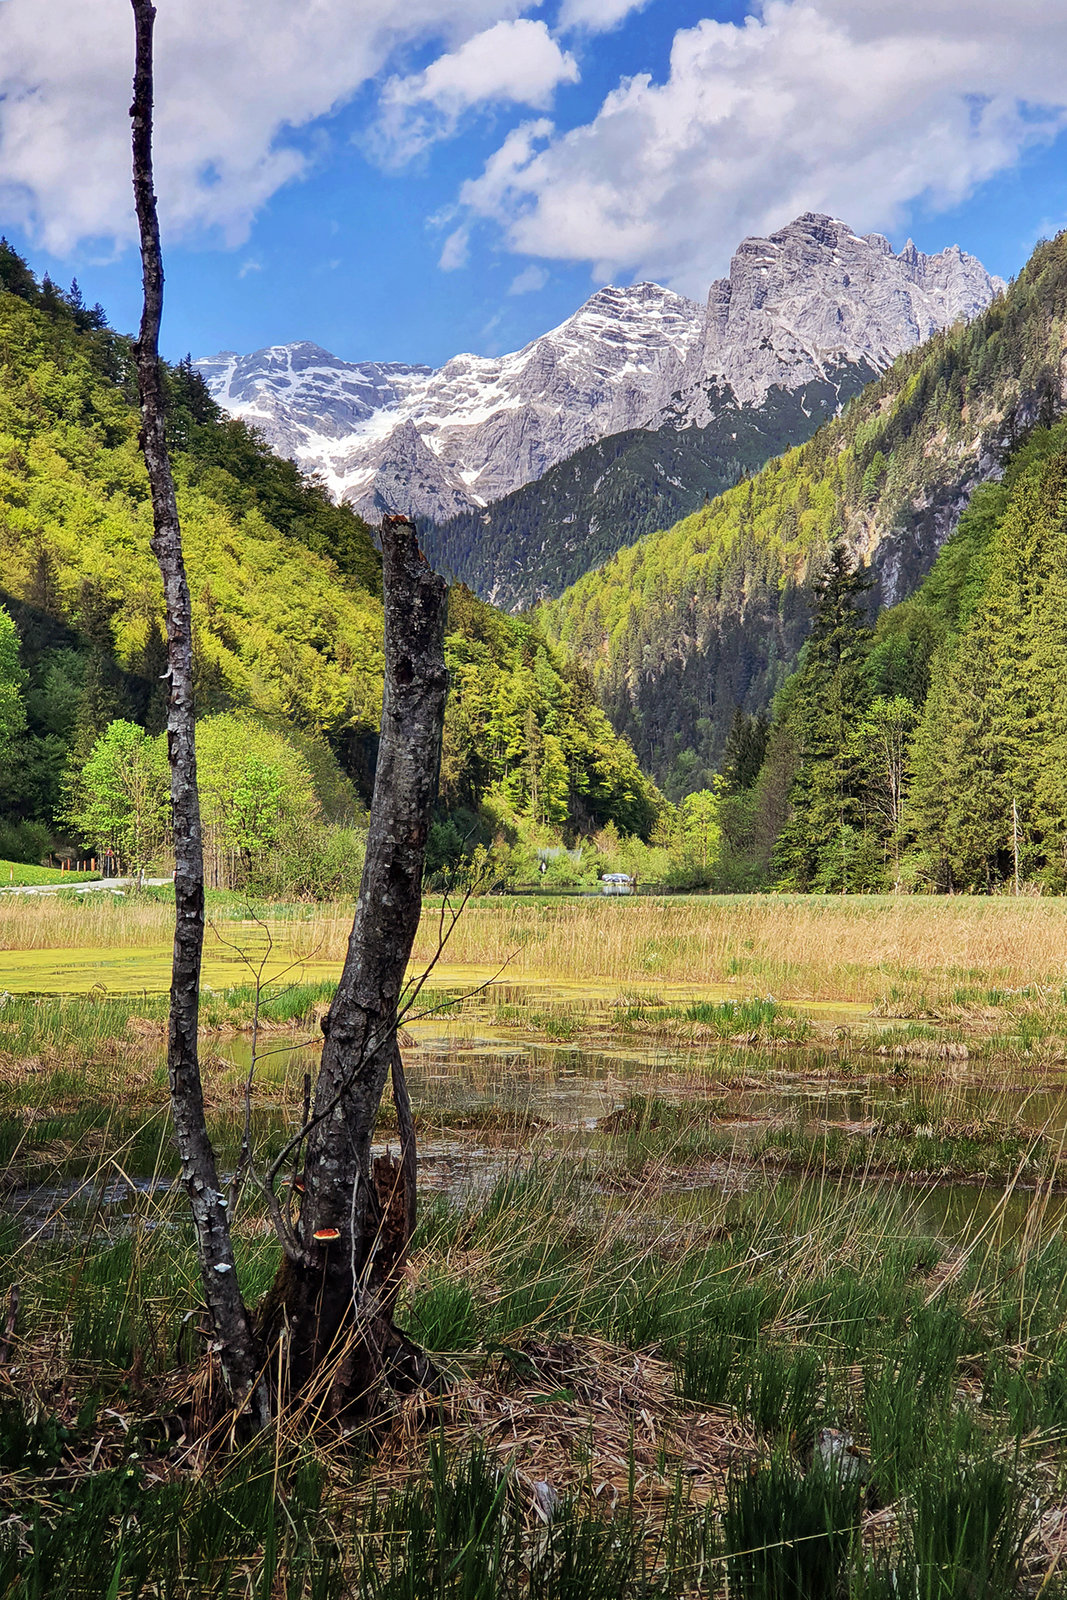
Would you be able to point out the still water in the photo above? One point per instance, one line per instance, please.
(487, 1100)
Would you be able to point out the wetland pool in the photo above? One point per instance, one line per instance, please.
(491, 1101)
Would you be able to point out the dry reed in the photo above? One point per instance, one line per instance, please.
(863, 949)
(93, 921)
(797, 947)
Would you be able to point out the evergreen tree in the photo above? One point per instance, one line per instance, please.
(746, 746)
(685, 622)
(880, 743)
(830, 698)
(989, 761)
(15, 275)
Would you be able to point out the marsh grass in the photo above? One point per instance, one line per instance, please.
(144, 917)
(899, 952)
(652, 1319)
(738, 1016)
(788, 1310)
(977, 1150)
(466, 1530)
(938, 1133)
(122, 1534)
(821, 1303)
(854, 948)
(965, 1537)
(748, 1021)
(31, 1025)
(81, 1024)
(789, 1533)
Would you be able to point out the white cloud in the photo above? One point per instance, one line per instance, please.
(233, 80)
(855, 107)
(596, 16)
(455, 251)
(529, 280)
(513, 63)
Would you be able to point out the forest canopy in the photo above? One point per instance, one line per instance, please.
(688, 624)
(286, 591)
(929, 750)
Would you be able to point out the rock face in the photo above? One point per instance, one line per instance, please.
(812, 301)
(816, 296)
(478, 426)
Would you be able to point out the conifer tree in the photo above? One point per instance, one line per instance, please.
(830, 698)
(746, 746)
(989, 779)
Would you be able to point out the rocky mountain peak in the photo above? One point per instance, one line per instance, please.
(815, 296)
(801, 305)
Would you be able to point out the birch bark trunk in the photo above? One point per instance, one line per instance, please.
(239, 1350)
(333, 1300)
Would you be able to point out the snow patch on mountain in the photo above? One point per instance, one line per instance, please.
(475, 428)
(795, 308)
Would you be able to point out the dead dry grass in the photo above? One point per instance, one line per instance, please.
(92, 921)
(585, 1417)
(796, 947)
(872, 950)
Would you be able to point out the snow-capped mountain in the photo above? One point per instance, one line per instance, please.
(796, 308)
(438, 442)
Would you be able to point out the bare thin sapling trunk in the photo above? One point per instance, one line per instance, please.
(238, 1348)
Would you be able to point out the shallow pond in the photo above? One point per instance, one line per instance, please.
(487, 1097)
(473, 1068)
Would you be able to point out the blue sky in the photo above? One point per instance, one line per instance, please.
(408, 182)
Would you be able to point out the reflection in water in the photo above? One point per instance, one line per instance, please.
(513, 1093)
(461, 1069)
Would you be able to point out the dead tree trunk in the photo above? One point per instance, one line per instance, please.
(335, 1293)
(239, 1350)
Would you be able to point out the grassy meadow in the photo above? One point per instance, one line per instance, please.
(18, 874)
(886, 951)
(740, 1251)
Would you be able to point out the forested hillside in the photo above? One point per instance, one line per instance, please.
(684, 627)
(286, 592)
(930, 751)
(535, 541)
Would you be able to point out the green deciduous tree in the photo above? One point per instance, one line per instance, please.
(285, 590)
(700, 827)
(257, 794)
(522, 723)
(118, 800)
(255, 789)
(12, 686)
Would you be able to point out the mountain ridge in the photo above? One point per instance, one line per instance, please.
(490, 423)
(533, 543)
(286, 604)
(690, 623)
(456, 438)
